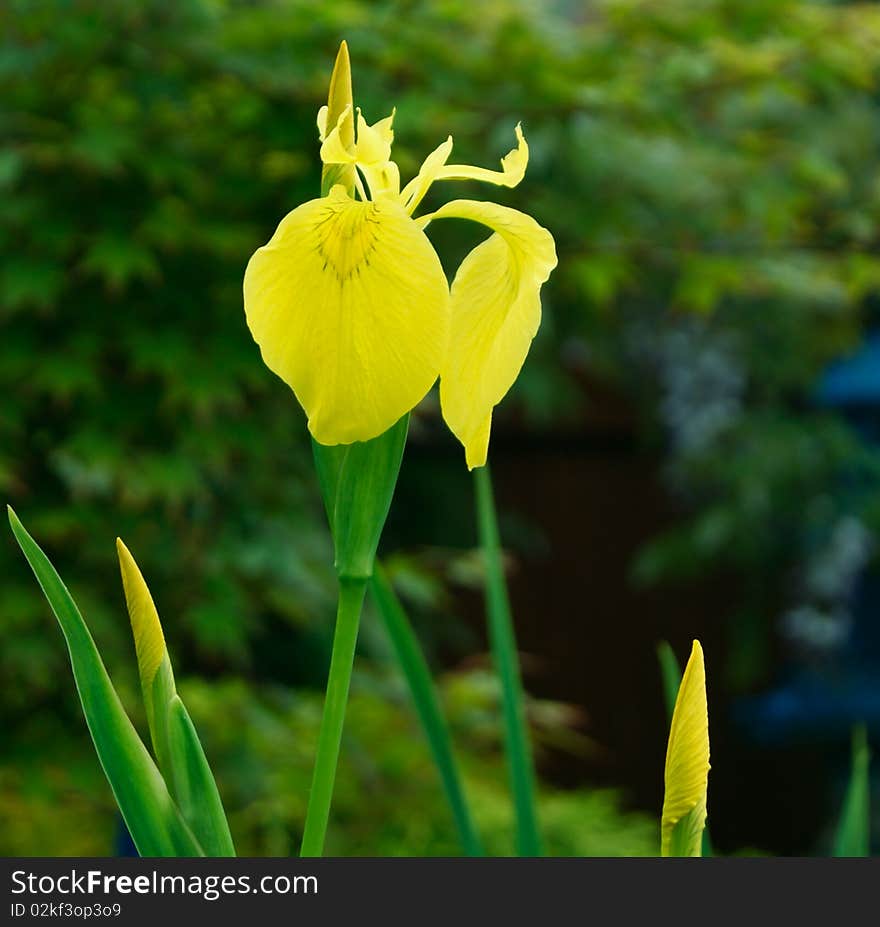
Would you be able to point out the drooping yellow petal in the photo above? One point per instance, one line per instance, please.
(687, 764)
(495, 311)
(350, 307)
(149, 641)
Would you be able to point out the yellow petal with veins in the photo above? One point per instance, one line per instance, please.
(687, 764)
(350, 307)
(495, 311)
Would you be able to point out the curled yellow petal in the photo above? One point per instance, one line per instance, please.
(350, 307)
(495, 311)
(513, 167)
(687, 764)
(149, 640)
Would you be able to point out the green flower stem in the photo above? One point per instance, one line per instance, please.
(504, 652)
(418, 676)
(348, 615)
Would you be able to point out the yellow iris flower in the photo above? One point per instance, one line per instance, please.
(350, 306)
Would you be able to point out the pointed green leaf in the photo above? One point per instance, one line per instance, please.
(153, 820)
(178, 749)
(687, 764)
(418, 676)
(194, 787)
(670, 673)
(854, 830)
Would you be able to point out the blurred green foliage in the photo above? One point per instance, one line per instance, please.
(708, 172)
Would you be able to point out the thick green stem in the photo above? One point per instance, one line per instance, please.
(418, 676)
(504, 653)
(348, 615)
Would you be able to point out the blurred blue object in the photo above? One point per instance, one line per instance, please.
(124, 845)
(855, 380)
(821, 701)
(809, 707)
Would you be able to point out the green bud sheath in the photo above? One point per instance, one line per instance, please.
(357, 482)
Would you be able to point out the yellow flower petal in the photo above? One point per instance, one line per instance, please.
(415, 190)
(149, 641)
(495, 312)
(374, 142)
(687, 764)
(513, 167)
(335, 148)
(350, 307)
(382, 179)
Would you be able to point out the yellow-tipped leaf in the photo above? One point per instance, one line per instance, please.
(156, 825)
(178, 751)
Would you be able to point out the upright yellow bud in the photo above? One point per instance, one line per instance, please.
(339, 97)
(149, 641)
(687, 764)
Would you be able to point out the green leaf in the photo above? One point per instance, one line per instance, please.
(418, 676)
(853, 835)
(670, 672)
(194, 787)
(685, 838)
(502, 638)
(178, 749)
(153, 820)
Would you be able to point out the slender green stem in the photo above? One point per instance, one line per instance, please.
(351, 597)
(418, 676)
(504, 652)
